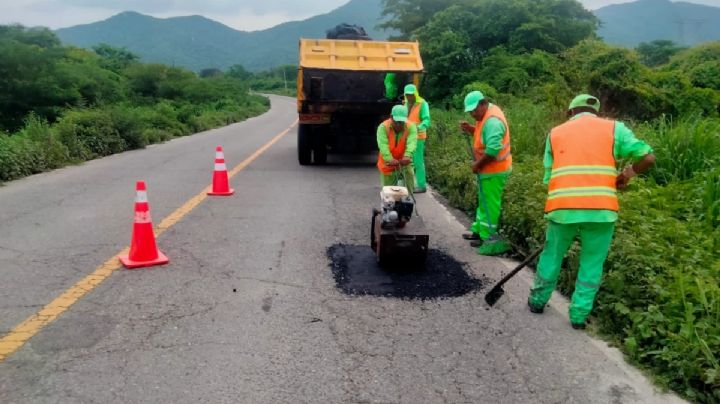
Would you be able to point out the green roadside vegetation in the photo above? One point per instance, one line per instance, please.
(281, 80)
(62, 105)
(660, 299)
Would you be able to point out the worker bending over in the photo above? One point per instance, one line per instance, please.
(581, 157)
(397, 140)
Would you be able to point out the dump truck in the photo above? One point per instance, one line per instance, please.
(341, 94)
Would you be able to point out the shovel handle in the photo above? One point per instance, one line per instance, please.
(518, 268)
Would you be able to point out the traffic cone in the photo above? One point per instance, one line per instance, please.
(221, 185)
(143, 250)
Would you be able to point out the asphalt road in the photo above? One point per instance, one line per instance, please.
(252, 309)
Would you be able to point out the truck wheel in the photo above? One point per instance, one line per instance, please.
(304, 144)
(320, 145)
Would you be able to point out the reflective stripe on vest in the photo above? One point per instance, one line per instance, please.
(503, 161)
(584, 168)
(414, 117)
(397, 149)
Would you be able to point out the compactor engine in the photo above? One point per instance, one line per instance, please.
(398, 238)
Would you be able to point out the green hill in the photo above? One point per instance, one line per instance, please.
(647, 20)
(196, 42)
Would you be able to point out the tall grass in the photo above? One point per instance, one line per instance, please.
(684, 147)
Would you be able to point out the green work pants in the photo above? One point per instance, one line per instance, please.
(395, 178)
(595, 239)
(492, 191)
(419, 163)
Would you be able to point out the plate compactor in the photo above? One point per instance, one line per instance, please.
(398, 241)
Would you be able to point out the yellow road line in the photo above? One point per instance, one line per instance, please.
(33, 324)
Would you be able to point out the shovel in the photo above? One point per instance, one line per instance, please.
(497, 291)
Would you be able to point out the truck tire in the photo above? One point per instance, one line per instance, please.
(320, 145)
(304, 144)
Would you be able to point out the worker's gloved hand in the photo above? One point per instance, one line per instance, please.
(476, 168)
(467, 128)
(392, 163)
(623, 179)
(405, 161)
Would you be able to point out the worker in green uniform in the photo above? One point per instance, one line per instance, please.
(397, 141)
(391, 87)
(492, 164)
(418, 114)
(581, 158)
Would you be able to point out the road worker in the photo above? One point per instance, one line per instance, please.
(492, 164)
(397, 140)
(418, 114)
(581, 157)
(391, 87)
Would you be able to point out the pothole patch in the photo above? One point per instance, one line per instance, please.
(357, 273)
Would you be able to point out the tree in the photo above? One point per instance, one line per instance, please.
(239, 72)
(701, 63)
(30, 81)
(457, 39)
(275, 79)
(115, 58)
(407, 16)
(211, 72)
(39, 36)
(616, 76)
(657, 52)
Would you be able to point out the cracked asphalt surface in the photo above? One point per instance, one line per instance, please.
(248, 309)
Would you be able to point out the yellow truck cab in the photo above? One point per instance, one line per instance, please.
(341, 93)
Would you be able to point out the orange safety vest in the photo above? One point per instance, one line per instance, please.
(584, 167)
(503, 161)
(414, 117)
(397, 149)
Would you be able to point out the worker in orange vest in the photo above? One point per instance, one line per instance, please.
(397, 140)
(581, 157)
(419, 114)
(492, 164)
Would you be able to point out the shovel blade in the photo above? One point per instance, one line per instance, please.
(494, 295)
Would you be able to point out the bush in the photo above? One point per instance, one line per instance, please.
(128, 125)
(18, 157)
(51, 152)
(90, 133)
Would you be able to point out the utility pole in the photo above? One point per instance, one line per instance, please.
(284, 79)
(684, 24)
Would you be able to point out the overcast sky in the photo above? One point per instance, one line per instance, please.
(240, 14)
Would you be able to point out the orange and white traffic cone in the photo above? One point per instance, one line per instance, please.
(143, 249)
(221, 184)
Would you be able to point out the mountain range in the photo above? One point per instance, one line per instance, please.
(684, 23)
(196, 42)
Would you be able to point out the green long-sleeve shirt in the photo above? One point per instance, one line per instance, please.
(493, 133)
(424, 123)
(391, 87)
(384, 147)
(626, 146)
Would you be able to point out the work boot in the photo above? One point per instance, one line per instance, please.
(420, 190)
(476, 243)
(536, 310)
(471, 236)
